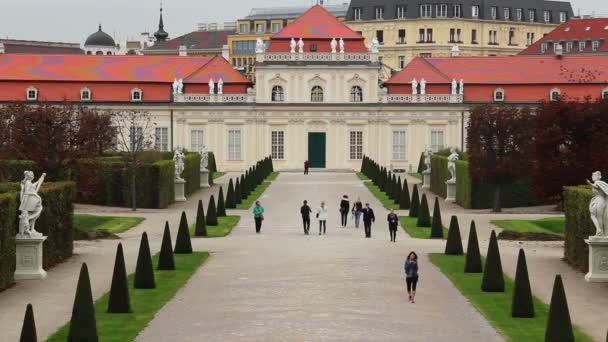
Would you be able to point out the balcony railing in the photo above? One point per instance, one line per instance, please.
(317, 56)
(426, 98)
(215, 98)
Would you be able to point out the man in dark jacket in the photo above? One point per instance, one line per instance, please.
(393, 223)
(344, 206)
(368, 219)
(305, 211)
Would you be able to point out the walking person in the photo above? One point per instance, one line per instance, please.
(344, 206)
(411, 274)
(258, 216)
(368, 219)
(306, 165)
(305, 211)
(322, 216)
(357, 211)
(393, 223)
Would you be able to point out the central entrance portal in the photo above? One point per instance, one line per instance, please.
(316, 150)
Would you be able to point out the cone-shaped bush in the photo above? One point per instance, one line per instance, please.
(83, 326)
(559, 326)
(230, 196)
(221, 208)
(183, 245)
(119, 291)
(522, 305)
(28, 330)
(437, 225)
(397, 191)
(144, 272)
(244, 190)
(493, 280)
(201, 225)
(211, 213)
(472, 262)
(404, 200)
(424, 217)
(166, 261)
(415, 203)
(454, 244)
(238, 194)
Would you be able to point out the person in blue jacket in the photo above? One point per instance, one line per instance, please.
(411, 274)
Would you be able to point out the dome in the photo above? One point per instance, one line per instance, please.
(100, 38)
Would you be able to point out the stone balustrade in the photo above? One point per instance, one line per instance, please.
(317, 56)
(419, 98)
(215, 98)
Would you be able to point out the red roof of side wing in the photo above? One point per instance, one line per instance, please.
(317, 23)
(215, 69)
(418, 69)
(574, 30)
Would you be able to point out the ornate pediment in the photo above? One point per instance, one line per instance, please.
(356, 80)
(317, 80)
(278, 80)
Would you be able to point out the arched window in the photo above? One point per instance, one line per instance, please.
(499, 95)
(316, 95)
(605, 93)
(99, 53)
(85, 94)
(356, 94)
(109, 53)
(31, 94)
(554, 94)
(137, 94)
(89, 52)
(277, 94)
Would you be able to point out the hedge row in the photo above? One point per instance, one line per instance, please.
(192, 172)
(439, 174)
(55, 222)
(12, 170)
(578, 226)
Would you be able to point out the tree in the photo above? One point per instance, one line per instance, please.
(499, 143)
(404, 201)
(211, 213)
(472, 262)
(166, 259)
(559, 325)
(493, 280)
(221, 208)
(28, 330)
(437, 225)
(55, 136)
(144, 271)
(522, 305)
(424, 217)
(183, 245)
(83, 326)
(415, 204)
(135, 133)
(230, 202)
(201, 227)
(454, 244)
(119, 290)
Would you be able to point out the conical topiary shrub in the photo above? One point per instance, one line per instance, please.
(201, 227)
(472, 262)
(522, 304)
(221, 208)
(415, 203)
(238, 194)
(493, 280)
(559, 326)
(404, 200)
(454, 244)
(424, 217)
(230, 196)
(144, 272)
(244, 190)
(397, 191)
(437, 225)
(211, 213)
(28, 330)
(119, 290)
(166, 260)
(183, 245)
(83, 326)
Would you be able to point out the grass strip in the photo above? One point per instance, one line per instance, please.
(145, 303)
(362, 176)
(95, 226)
(409, 225)
(381, 196)
(224, 227)
(496, 306)
(217, 175)
(550, 225)
(416, 175)
(259, 190)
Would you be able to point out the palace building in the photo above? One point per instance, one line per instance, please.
(318, 95)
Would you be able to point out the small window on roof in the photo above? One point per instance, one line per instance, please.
(588, 28)
(606, 27)
(554, 94)
(136, 94)
(499, 95)
(567, 29)
(31, 93)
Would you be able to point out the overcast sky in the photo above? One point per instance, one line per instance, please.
(74, 20)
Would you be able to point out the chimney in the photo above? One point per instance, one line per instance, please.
(226, 52)
(455, 51)
(183, 51)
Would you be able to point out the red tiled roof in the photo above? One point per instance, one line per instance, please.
(215, 69)
(317, 23)
(574, 30)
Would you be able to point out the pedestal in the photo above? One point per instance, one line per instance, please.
(180, 190)
(204, 178)
(29, 257)
(451, 191)
(426, 179)
(598, 259)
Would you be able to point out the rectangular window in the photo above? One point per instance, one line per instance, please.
(426, 55)
(547, 16)
(276, 27)
(401, 11)
(569, 46)
(458, 36)
(473, 36)
(429, 35)
(582, 45)
(441, 10)
(161, 139)
(401, 62)
(244, 28)
(452, 35)
(136, 136)
(519, 14)
(563, 17)
(379, 12)
(398, 145)
(512, 36)
(421, 36)
(457, 11)
(506, 13)
(475, 11)
(196, 140)
(532, 15)
(595, 45)
(356, 145)
(277, 145)
(493, 12)
(260, 28)
(426, 11)
(529, 38)
(380, 36)
(401, 37)
(234, 144)
(436, 140)
(357, 13)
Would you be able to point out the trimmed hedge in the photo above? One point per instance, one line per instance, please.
(578, 226)
(463, 184)
(192, 172)
(12, 170)
(439, 174)
(8, 222)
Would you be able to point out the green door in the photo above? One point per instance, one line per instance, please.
(316, 150)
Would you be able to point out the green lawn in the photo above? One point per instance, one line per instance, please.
(362, 176)
(217, 175)
(381, 196)
(551, 225)
(409, 225)
(93, 226)
(145, 303)
(416, 174)
(496, 306)
(224, 227)
(259, 190)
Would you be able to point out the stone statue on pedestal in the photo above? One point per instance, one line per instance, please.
(220, 86)
(461, 87)
(341, 45)
(211, 86)
(414, 87)
(454, 87)
(375, 46)
(178, 157)
(259, 46)
(31, 205)
(175, 86)
(597, 206)
(427, 160)
(180, 86)
(452, 164)
(334, 45)
(292, 46)
(204, 152)
(422, 86)
(300, 46)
